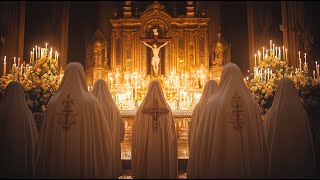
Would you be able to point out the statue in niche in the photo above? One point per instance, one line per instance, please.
(221, 52)
(155, 51)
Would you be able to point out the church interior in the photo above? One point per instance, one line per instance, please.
(181, 44)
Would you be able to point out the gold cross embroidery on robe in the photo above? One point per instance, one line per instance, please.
(156, 111)
(237, 103)
(67, 116)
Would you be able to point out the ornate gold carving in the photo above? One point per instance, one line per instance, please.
(237, 104)
(67, 117)
(156, 111)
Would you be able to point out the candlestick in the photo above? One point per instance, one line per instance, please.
(4, 66)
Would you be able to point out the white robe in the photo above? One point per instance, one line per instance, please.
(74, 140)
(230, 141)
(289, 135)
(154, 153)
(114, 119)
(18, 134)
(208, 90)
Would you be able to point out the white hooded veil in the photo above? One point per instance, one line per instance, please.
(230, 140)
(74, 140)
(208, 90)
(114, 119)
(154, 150)
(18, 134)
(289, 135)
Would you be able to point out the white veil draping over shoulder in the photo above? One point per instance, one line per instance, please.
(18, 134)
(208, 90)
(114, 119)
(289, 135)
(230, 140)
(74, 140)
(154, 150)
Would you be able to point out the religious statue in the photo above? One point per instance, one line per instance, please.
(155, 50)
(155, 59)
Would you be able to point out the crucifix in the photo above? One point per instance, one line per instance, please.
(156, 111)
(236, 111)
(155, 49)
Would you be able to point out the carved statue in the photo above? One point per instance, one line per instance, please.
(155, 59)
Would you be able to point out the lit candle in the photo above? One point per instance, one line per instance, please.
(255, 59)
(268, 74)
(283, 52)
(39, 52)
(4, 65)
(36, 52)
(50, 53)
(286, 54)
(21, 69)
(305, 58)
(14, 61)
(276, 55)
(57, 58)
(263, 53)
(259, 54)
(18, 62)
(270, 45)
(314, 74)
(272, 49)
(46, 46)
(279, 53)
(299, 54)
(300, 64)
(30, 56)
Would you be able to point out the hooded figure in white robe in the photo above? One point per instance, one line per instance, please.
(154, 141)
(208, 90)
(74, 140)
(230, 140)
(289, 135)
(18, 134)
(114, 119)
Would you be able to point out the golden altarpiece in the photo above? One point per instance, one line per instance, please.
(183, 62)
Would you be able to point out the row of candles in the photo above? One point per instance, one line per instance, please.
(273, 51)
(38, 51)
(265, 74)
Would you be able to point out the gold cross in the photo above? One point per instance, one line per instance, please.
(154, 111)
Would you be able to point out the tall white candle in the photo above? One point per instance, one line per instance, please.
(262, 52)
(36, 52)
(314, 74)
(18, 62)
(46, 46)
(300, 65)
(270, 45)
(14, 61)
(286, 54)
(255, 59)
(283, 52)
(305, 58)
(4, 65)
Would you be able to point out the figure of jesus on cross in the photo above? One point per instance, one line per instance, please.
(155, 50)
